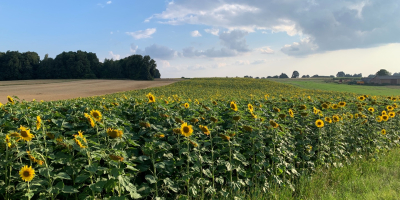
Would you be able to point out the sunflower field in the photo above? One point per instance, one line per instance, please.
(194, 139)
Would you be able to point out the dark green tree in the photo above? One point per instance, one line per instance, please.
(383, 72)
(295, 74)
(283, 75)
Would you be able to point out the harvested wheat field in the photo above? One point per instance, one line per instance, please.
(50, 90)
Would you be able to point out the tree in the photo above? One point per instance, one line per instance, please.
(383, 72)
(283, 75)
(340, 74)
(295, 74)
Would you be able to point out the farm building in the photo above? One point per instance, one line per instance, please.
(392, 80)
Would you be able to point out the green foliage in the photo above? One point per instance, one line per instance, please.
(75, 65)
(383, 72)
(153, 159)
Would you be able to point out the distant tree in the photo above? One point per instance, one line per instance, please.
(371, 76)
(283, 75)
(269, 76)
(315, 76)
(347, 75)
(396, 74)
(340, 74)
(306, 76)
(276, 76)
(332, 76)
(383, 72)
(295, 74)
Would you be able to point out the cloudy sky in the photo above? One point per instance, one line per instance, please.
(208, 38)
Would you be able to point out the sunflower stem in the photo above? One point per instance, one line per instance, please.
(187, 168)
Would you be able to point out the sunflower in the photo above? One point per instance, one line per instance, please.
(335, 106)
(213, 119)
(248, 128)
(116, 158)
(371, 109)
(336, 118)
(96, 115)
(273, 124)
(165, 101)
(389, 108)
(194, 120)
(38, 122)
(383, 131)
(10, 99)
(204, 129)
(27, 173)
(176, 130)
(25, 133)
(361, 98)
(214, 102)
(186, 130)
(151, 97)
(114, 133)
(392, 114)
(179, 120)
(303, 107)
(384, 113)
(236, 118)
(253, 115)
(319, 123)
(250, 107)
(379, 118)
(225, 137)
(277, 109)
(291, 114)
(233, 106)
(385, 117)
(304, 114)
(90, 120)
(325, 106)
(328, 119)
(282, 116)
(79, 138)
(342, 104)
(195, 144)
(186, 105)
(144, 124)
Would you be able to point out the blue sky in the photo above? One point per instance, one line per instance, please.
(210, 38)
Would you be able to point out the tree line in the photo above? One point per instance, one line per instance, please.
(75, 65)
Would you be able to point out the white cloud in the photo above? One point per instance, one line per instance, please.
(257, 62)
(142, 33)
(114, 56)
(213, 31)
(111, 32)
(266, 50)
(223, 52)
(158, 51)
(165, 64)
(234, 40)
(109, 2)
(304, 47)
(333, 25)
(195, 33)
(133, 48)
(241, 62)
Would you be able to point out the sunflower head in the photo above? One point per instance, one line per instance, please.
(303, 107)
(178, 120)
(204, 129)
(195, 144)
(248, 128)
(371, 109)
(383, 131)
(389, 108)
(96, 115)
(25, 133)
(250, 107)
(319, 123)
(116, 158)
(282, 116)
(379, 118)
(233, 106)
(213, 119)
(385, 117)
(277, 109)
(342, 104)
(325, 106)
(186, 105)
(114, 133)
(38, 122)
(10, 99)
(273, 124)
(225, 137)
(392, 114)
(337, 118)
(236, 118)
(194, 120)
(27, 173)
(328, 119)
(291, 114)
(151, 98)
(186, 130)
(214, 102)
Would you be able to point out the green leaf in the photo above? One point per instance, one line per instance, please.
(115, 172)
(97, 187)
(117, 198)
(81, 178)
(150, 179)
(160, 165)
(69, 189)
(207, 172)
(62, 175)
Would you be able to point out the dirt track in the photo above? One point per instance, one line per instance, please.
(49, 90)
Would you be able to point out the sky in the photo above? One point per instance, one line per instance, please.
(214, 38)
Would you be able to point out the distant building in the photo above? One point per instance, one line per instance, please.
(391, 80)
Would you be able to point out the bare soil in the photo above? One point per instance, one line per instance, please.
(50, 90)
